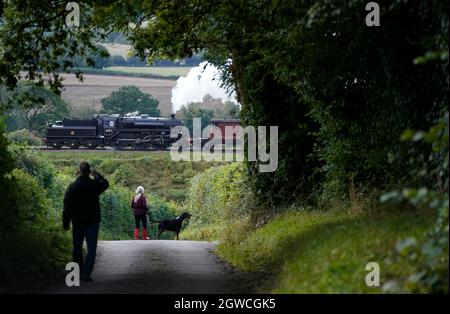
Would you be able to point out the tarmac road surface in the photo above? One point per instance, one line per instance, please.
(159, 266)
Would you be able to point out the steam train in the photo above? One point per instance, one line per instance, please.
(121, 132)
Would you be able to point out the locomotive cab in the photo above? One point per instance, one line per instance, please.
(107, 128)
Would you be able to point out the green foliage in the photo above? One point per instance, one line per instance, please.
(117, 214)
(273, 103)
(25, 137)
(30, 228)
(122, 175)
(341, 92)
(118, 60)
(31, 107)
(7, 183)
(81, 112)
(230, 110)
(38, 246)
(265, 99)
(130, 99)
(34, 39)
(165, 183)
(97, 58)
(33, 206)
(34, 164)
(117, 217)
(219, 195)
(116, 37)
(363, 112)
(155, 171)
(194, 110)
(430, 255)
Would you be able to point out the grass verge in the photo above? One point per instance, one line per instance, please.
(206, 233)
(324, 252)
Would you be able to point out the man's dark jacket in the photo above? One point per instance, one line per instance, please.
(81, 201)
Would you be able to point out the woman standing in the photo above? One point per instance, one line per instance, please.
(140, 209)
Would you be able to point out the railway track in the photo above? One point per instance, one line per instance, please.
(104, 149)
(112, 149)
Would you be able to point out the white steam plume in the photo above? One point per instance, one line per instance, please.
(197, 84)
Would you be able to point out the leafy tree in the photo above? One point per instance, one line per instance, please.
(343, 96)
(235, 30)
(118, 60)
(193, 61)
(340, 92)
(195, 110)
(430, 256)
(32, 107)
(230, 110)
(341, 103)
(30, 220)
(362, 84)
(134, 61)
(99, 57)
(25, 137)
(130, 99)
(116, 37)
(34, 38)
(7, 185)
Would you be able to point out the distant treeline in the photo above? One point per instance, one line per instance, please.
(133, 61)
(100, 58)
(115, 38)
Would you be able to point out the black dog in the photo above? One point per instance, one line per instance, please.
(172, 224)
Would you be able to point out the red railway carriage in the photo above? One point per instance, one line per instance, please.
(222, 124)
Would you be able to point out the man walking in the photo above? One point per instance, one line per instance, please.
(82, 208)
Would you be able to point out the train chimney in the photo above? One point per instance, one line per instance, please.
(172, 116)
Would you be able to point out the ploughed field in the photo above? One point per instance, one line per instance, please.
(87, 95)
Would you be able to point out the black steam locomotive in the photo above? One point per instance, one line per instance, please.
(120, 132)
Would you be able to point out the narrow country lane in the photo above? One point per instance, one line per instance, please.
(162, 266)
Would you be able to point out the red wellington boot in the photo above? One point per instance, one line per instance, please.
(136, 234)
(144, 234)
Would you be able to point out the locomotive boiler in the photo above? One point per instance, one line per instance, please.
(121, 132)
